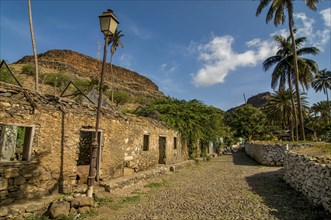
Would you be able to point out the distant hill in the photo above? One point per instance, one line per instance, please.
(256, 101)
(87, 67)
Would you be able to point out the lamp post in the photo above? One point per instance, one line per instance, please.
(108, 25)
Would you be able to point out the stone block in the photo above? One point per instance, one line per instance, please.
(3, 184)
(59, 208)
(84, 209)
(4, 211)
(16, 194)
(172, 168)
(82, 201)
(11, 173)
(19, 180)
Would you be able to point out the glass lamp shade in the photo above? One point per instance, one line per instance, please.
(108, 22)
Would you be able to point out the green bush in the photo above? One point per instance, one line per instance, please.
(6, 77)
(121, 97)
(28, 69)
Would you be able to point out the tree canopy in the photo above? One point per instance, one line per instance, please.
(246, 122)
(193, 119)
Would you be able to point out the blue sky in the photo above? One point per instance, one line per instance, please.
(207, 50)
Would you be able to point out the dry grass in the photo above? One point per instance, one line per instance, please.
(319, 149)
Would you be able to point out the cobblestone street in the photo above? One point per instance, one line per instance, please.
(227, 187)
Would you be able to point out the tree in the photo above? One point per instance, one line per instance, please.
(246, 122)
(284, 71)
(279, 109)
(322, 81)
(121, 97)
(277, 13)
(115, 42)
(34, 47)
(320, 118)
(194, 120)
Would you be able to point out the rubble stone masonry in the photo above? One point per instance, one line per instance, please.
(311, 176)
(308, 175)
(58, 128)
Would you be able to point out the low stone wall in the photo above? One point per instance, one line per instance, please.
(267, 154)
(311, 176)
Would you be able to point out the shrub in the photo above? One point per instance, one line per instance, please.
(121, 97)
(28, 69)
(6, 77)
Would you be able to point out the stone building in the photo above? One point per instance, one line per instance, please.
(45, 143)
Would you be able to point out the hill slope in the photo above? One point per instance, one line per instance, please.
(256, 101)
(87, 67)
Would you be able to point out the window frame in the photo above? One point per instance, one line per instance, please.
(27, 144)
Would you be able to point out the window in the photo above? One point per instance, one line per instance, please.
(146, 142)
(15, 142)
(175, 143)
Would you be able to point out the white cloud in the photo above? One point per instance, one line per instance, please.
(305, 28)
(168, 69)
(219, 58)
(326, 16)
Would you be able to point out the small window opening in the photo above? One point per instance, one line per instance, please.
(15, 142)
(146, 142)
(175, 143)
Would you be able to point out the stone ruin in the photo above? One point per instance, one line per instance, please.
(45, 144)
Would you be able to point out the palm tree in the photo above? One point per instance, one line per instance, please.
(321, 109)
(34, 47)
(277, 12)
(279, 109)
(283, 62)
(322, 81)
(115, 42)
(320, 117)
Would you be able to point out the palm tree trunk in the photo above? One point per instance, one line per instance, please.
(34, 48)
(112, 78)
(295, 115)
(296, 69)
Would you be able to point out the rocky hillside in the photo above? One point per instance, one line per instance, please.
(87, 67)
(256, 101)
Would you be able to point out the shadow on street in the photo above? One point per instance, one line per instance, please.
(240, 158)
(285, 202)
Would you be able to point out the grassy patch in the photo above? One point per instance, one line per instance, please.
(137, 192)
(116, 204)
(318, 149)
(131, 199)
(90, 213)
(6, 77)
(104, 201)
(155, 184)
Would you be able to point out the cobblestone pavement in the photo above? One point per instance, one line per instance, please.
(227, 187)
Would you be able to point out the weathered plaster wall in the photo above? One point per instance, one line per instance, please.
(311, 176)
(58, 123)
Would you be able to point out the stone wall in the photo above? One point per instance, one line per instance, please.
(311, 176)
(267, 154)
(57, 124)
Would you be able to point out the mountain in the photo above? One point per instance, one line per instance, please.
(87, 67)
(256, 101)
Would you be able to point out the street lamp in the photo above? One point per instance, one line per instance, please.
(108, 25)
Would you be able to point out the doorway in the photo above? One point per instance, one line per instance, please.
(162, 149)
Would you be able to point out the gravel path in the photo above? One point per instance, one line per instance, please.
(227, 187)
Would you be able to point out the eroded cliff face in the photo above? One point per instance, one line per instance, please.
(88, 67)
